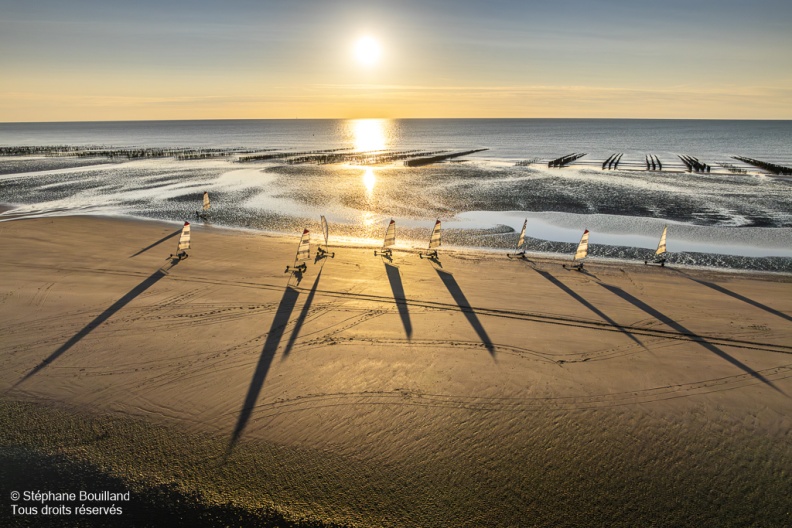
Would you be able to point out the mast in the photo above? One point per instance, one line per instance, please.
(183, 244)
(581, 253)
(322, 252)
(435, 240)
(303, 253)
(582, 249)
(518, 252)
(661, 247)
(660, 254)
(324, 229)
(390, 239)
(390, 234)
(184, 239)
(521, 240)
(304, 249)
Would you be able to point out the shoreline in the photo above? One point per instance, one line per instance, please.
(451, 249)
(482, 392)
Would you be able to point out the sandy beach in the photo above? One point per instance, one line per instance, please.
(477, 391)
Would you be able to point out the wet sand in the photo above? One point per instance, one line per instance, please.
(479, 391)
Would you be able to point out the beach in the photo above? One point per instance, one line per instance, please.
(473, 391)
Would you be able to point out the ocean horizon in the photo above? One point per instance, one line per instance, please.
(504, 137)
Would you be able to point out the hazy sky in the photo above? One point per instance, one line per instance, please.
(104, 60)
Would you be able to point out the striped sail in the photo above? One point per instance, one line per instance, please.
(435, 241)
(324, 228)
(582, 250)
(206, 204)
(390, 234)
(521, 240)
(661, 247)
(304, 249)
(184, 239)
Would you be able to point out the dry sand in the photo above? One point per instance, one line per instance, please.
(488, 392)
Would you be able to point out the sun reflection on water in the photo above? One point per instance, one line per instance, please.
(369, 180)
(370, 134)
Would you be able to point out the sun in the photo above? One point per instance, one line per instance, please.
(367, 51)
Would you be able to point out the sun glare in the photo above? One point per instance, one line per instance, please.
(369, 134)
(367, 51)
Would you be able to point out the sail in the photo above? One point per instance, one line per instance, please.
(521, 240)
(324, 228)
(184, 239)
(661, 247)
(582, 250)
(435, 241)
(206, 203)
(390, 234)
(304, 249)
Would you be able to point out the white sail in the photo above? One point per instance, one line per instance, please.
(661, 247)
(521, 240)
(304, 249)
(184, 239)
(434, 240)
(324, 228)
(390, 234)
(206, 203)
(582, 250)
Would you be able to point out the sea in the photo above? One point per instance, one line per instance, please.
(483, 178)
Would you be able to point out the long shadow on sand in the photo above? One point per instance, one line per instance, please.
(742, 298)
(682, 330)
(566, 289)
(301, 318)
(147, 283)
(282, 316)
(394, 277)
(459, 297)
(158, 242)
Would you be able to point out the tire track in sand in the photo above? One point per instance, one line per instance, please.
(402, 397)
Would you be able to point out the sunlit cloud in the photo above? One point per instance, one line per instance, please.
(412, 100)
(717, 101)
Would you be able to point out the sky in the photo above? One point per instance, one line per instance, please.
(85, 60)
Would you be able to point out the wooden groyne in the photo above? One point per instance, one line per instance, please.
(343, 155)
(437, 159)
(286, 155)
(653, 162)
(563, 161)
(779, 170)
(373, 157)
(141, 153)
(612, 162)
(370, 157)
(733, 168)
(414, 157)
(93, 151)
(216, 153)
(57, 150)
(693, 164)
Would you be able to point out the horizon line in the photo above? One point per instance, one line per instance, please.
(395, 119)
